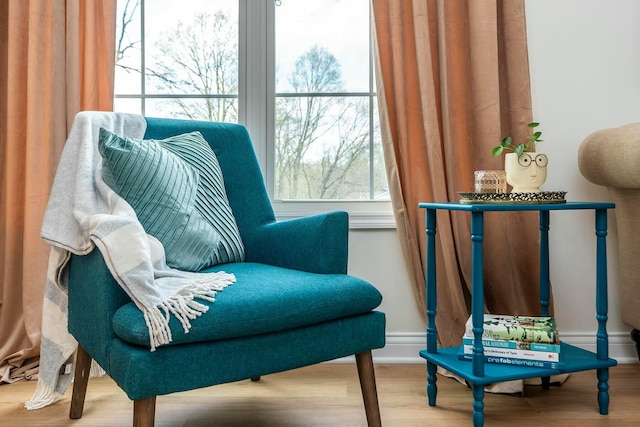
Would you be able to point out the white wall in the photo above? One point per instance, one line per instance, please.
(375, 255)
(585, 76)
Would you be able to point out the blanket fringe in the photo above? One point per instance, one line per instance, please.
(96, 370)
(43, 396)
(184, 306)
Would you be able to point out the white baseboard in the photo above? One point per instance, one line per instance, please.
(401, 348)
(404, 347)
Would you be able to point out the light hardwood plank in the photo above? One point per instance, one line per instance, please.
(329, 395)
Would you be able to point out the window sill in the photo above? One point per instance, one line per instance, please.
(362, 215)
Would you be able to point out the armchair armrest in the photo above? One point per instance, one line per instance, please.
(610, 157)
(94, 297)
(316, 243)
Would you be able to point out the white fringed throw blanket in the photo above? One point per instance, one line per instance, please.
(84, 213)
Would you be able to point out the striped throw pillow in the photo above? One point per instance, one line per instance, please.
(162, 189)
(211, 197)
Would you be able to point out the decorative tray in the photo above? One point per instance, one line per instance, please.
(523, 198)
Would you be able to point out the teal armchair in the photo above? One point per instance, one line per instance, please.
(292, 304)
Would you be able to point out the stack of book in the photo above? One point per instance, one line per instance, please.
(516, 340)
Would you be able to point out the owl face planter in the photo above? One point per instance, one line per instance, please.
(526, 173)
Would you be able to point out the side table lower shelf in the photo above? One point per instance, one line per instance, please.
(574, 359)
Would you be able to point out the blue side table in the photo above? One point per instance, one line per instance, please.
(476, 371)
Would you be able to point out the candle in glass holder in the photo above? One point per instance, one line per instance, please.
(490, 181)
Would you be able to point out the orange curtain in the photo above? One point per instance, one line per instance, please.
(453, 80)
(56, 58)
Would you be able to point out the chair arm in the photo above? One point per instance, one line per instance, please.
(316, 243)
(611, 157)
(94, 297)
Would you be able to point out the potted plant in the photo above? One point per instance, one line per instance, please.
(525, 171)
(507, 142)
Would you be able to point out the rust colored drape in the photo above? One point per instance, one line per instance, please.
(56, 58)
(453, 80)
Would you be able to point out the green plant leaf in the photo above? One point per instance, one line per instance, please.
(535, 136)
(507, 143)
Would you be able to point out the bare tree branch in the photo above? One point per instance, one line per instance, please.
(122, 43)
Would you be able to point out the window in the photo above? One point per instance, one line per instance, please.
(298, 74)
(177, 61)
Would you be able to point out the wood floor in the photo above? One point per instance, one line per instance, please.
(329, 395)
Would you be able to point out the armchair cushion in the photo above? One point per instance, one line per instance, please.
(264, 299)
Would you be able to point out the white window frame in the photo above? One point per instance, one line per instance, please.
(256, 111)
(256, 105)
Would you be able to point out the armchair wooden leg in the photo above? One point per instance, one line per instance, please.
(635, 336)
(80, 380)
(144, 412)
(368, 386)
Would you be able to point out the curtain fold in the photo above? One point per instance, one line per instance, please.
(453, 80)
(56, 58)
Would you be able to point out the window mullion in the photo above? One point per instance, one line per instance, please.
(256, 79)
(143, 54)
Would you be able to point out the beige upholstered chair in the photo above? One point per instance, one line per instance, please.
(611, 157)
